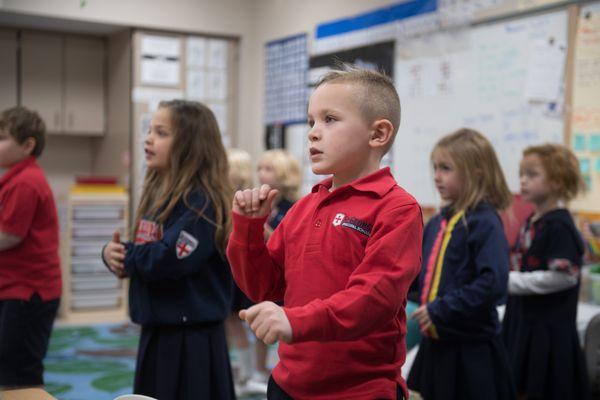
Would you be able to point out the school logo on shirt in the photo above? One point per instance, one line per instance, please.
(186, 244)
(147, 232)
(339, 218)
(352, 223)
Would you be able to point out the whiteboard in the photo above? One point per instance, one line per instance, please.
(477, 77)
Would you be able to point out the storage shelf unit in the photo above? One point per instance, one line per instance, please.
(91, 292)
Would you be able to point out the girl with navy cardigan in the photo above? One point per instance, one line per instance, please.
(465, 253)
(180, 283)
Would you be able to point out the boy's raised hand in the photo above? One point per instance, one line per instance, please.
(254, 203)
(114, 255)
(268, 322)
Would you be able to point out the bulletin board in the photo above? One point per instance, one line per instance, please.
(585, 121)
(169, 66)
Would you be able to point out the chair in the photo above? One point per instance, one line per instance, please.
(592, 353)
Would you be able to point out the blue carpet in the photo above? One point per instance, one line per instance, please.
(91, 362)
(95, 362)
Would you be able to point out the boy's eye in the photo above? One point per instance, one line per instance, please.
(329, 118)
(311, 123)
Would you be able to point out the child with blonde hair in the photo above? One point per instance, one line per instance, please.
(540, 329)
(240, 175)
(280, 170)
(464, 275)
(180, 283)
(240, 168)
(343, 257)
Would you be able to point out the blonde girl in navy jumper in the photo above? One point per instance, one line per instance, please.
(464, 276)
(539, 327)
(181, 285)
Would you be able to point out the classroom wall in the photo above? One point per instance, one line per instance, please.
(112, 149)
(226, 17)
(60, 168)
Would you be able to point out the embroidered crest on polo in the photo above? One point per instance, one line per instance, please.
(339, 218)
(186, 244)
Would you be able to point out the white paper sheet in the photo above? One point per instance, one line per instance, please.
(217, 85)
(196, 84)
(545, 72)
(217, 53)
(160, 71)
(160, 46)
(196, 52)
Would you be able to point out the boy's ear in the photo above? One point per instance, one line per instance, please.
(29, 145)
(381, 133)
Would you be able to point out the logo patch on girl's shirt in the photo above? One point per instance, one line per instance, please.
(147, 232)
(352, 223)
(186, 244)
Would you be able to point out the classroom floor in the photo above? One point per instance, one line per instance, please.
(94, 362)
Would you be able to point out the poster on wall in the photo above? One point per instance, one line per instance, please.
(378, 57)
(585, 120)
(160, 63)
(286, 64)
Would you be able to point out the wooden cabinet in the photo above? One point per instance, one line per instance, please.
(84, 85)
(8, 69)
(63, 79)
(41, 72)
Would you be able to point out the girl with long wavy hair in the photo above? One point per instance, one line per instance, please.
(180, 281)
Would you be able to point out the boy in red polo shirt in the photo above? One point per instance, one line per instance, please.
(343, 257)
(30, 278)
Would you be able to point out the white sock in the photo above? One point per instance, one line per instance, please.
(246, 363)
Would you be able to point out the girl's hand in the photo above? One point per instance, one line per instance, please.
(254, 203)
(422, 317)
(114, 255)
(268, 322)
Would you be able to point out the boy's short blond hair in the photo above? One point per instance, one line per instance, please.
(377, 96)
(240, 169)
(287, 170)
(562, 169)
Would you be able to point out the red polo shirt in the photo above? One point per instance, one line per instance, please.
(27, 210)
(343, 262)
